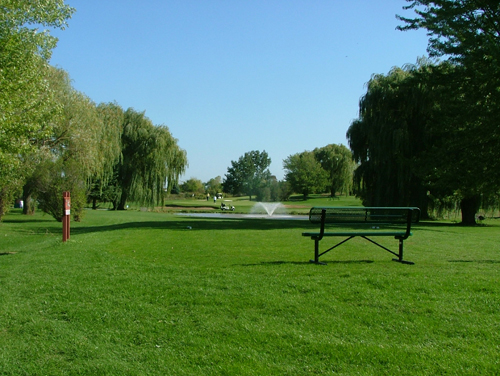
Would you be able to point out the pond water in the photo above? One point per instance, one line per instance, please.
(244, 216)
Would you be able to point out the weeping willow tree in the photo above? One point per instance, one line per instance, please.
(150, 158)
(110, 146)
(80, 146)
(461, 161)
(424, 135)
(337, 161)
(103, 187)
(467, 33)
(388, 138)
(176, 166)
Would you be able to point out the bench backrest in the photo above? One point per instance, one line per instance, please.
(365, 215)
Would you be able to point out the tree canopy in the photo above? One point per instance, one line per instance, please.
(80, 147)
(337, 161)
(54, 138)
(387, 137)
(304, 173)
(214, 185)
(193, 185)
(414, 126)
(23, 18)
(26, 101)
(467, 32)
(150, 158)
(249, 173)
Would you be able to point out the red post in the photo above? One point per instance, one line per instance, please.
(66, 215)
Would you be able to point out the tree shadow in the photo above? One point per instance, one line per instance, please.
(272, 263)
(438, 224)
(28, 220)
(199, 224)
(477, 261)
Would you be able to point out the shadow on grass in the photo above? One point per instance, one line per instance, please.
(195, 224)
(272, 263)
(438, 224)
(442, 227)
(199, 224)
(192, 224)
(478, 261)
(227, 223)
(28, 220)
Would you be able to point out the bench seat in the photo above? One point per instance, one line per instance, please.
(365, 222)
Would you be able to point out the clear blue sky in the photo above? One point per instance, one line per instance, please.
(232, 76)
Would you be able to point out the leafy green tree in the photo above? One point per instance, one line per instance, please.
(281, 190)
(409, 140)
(248, 174)
(56, 177)
(111, 116)
(103, 185)
(103, 191)
(79, 132)
(150, 157)
(175, 189)
(337, 161)
(459, 123)
(467, 32)
(17, 15)
(214, 186)
(26, 102)
(74, 151)
(176, 163)
(387, 138)
(274, 191)
(193, 185)
(305, 174)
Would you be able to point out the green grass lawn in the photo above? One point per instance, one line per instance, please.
(150, 293)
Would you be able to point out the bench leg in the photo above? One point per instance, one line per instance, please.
(400, 255)
(316, 253)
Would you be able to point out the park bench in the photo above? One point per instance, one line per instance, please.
(365, 222)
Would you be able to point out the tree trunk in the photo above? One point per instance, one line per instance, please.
(123, 200)
(28, 204)
(2, 206)
(469, 207)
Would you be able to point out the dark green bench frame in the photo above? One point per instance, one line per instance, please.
(367, 223)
